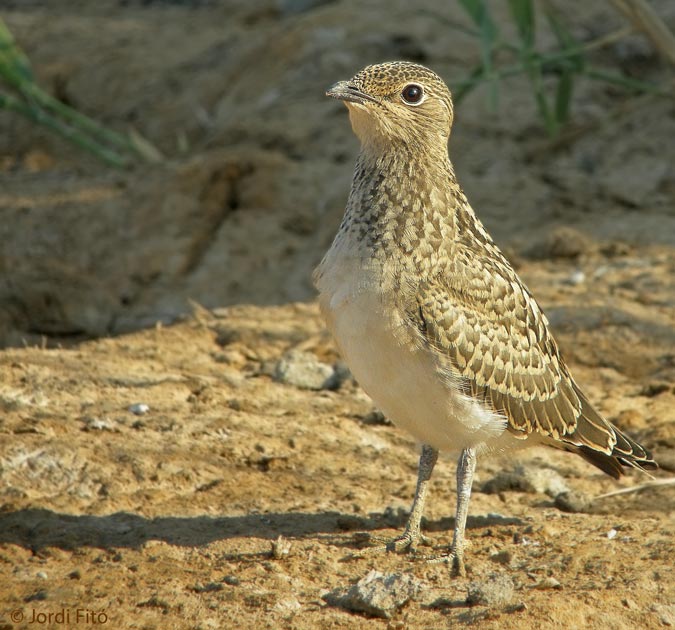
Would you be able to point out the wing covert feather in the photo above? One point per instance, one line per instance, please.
(491, 329)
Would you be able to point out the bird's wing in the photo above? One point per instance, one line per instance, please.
(480, 317)
(485, 323)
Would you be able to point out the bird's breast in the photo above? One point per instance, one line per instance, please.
(405, 378)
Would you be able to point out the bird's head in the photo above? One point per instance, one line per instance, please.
(397, 103)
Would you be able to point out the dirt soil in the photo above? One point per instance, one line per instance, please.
(181, 446)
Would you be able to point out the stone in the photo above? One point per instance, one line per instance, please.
(562, 242)
(527, 479)
(497, 590)
(502, 557)
(304, 370)
(548, 583)
(572, 502)
(377, 594)
(666, 613)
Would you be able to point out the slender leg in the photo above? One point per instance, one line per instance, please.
(465, 468)
(409, 539)
(412, 534)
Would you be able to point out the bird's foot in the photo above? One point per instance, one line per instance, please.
(407, 542)
(454, 558)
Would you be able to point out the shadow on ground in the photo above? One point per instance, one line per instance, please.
(35, 528)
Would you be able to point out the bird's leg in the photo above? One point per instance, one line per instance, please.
(412, 534)
(465, 468)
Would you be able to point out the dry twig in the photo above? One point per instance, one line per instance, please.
(655, 483)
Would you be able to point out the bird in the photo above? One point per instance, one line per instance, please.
(429, 315)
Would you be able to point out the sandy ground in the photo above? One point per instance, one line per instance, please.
(165, 465)
(171, 519)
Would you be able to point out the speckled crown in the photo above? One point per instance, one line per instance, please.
(384, 78)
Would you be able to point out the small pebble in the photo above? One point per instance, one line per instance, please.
(577, 277)
(38, 596)
(341, 374)
(98, 424)
(209, 587)
(139, 409)
(41, 574)
(611, 534)
(548, 583)
(502, 557)
(232, 580)
(375, 417)
(281, 548)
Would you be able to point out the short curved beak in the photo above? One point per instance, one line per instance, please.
(344, 91)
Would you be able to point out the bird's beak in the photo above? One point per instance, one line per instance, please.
(344, 91)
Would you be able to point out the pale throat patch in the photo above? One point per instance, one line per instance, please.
(365, 125)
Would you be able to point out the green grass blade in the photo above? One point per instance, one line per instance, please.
(568, 62)
(34, 93)
(634, 85)
(542, 103)
(42, 108)
(14, 65)
(522, 12)
(486, 53)
(566, 40)
(474, 8)
(478, 11)
(72, 134)
(563, 97)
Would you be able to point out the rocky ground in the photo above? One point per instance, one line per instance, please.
(174, 458)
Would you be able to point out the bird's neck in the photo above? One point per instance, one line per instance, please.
(402, 202)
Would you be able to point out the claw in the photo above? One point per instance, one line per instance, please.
(458, 568)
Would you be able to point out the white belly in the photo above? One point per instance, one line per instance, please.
(402, 376)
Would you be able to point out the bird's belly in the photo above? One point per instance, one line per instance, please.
(403, 377)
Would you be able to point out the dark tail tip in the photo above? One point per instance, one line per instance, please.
(614, 465)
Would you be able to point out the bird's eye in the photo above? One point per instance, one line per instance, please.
(412, 94)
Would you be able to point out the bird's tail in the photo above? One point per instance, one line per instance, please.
(600, 443)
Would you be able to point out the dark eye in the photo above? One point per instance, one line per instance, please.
(412, 94)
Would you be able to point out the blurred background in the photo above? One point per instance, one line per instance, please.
(220, 171)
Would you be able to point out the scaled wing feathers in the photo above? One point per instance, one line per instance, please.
(484, 321)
